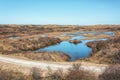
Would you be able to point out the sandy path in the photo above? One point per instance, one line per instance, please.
(53, 66)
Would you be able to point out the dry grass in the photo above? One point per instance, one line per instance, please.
(111, 73)
(44, 56)
(77, 73)
(15, 68)
(36, 74)
(105, 51)
(26, 44)
(26, 30)
(74, 73)
(10, 75)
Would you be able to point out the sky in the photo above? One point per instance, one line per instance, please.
(75, 12)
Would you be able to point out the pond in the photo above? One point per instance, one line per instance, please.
(75, 51)
(14, 37)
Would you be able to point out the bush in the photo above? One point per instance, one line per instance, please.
(26, 44)
(77, 73)
(106, 51)
(57, 75)
(44, 56)
(36, 74)
(10, 75)
(74, 73)
(111, 73)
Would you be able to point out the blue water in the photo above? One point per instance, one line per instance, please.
(97, 33)
(109, 33)
(14, 37)
(77, 37)
(75, 51)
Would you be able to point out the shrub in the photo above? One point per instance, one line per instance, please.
(57, 75)
(26, 44)
(74, 73)
(10, 75)
(36, 74)
(77, 73)
(45, 56)
(106, 51)
(111, 73)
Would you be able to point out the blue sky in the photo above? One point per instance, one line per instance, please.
(80, 12)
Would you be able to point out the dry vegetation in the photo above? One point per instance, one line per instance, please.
(26, 44)
(105, 51)
(44, 56)
(10, 75)
(111, 73)
(30, 39)
(28, 30)
(24, 47)
(74, 73)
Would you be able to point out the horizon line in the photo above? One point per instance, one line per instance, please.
(61, 24)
